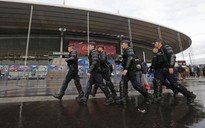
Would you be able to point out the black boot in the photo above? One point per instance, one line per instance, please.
(62, 90)
(175, 92)
(148, 96)
(123, 99)
(112, 89)
(58, 96)
(105, 90)
(160, 99)
(190, 96)
(157, 90)
(94, 90)
(80, 91)
(168, 85)
(84, 99)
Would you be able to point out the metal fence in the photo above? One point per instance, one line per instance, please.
(35, 80)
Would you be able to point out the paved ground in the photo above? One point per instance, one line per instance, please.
(43, 111)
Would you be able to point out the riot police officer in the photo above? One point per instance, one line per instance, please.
(130, 73)
(105, 71)
(165, 61)
(157, 82)
(94, 75)
(72, 62)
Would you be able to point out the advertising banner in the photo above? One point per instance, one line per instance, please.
(82, 47)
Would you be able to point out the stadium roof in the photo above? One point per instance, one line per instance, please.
(15, 15)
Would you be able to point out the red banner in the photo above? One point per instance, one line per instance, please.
(82, 47)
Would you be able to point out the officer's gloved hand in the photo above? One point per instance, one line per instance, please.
(66, 60)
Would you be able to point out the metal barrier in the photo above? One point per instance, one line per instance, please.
(18, 80)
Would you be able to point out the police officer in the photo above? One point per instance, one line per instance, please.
(165, 60)
(130, 73)
(72, 62)
(105, 71)
(158, 80)
(94, 75)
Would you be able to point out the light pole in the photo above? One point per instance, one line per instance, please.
(62, 30)
(120, 38)
(63, 2)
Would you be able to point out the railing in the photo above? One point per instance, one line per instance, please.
(37, 80)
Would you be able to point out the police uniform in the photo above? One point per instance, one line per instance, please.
(106, 74)
(129, 64)
(95, 77)
(163, 60)
(72, 62)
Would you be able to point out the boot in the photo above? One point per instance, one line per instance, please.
(168, 85)
(175, 92)
(148, 96)
(123, 99)
(183, 90)
(62, 90)
(107, 94)
(84, 99)
(58, 96)
(94, 90)
(80, 91)
(191, 98)
(157, 90)
(160, 98)
(112, 89)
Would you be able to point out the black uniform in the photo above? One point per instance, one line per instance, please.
(158, 81)
(72, 62)
(129, 64)
(96, 78)
(106, 74)
(163, 60)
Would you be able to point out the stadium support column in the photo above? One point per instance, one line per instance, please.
(180, 44)
(88, 28)
(88, 33)
(144, 57)
(130, 32)
(62, 30)
(28, 37)
(63, 2)
(190, 54)
(159, 32)
(120, 39)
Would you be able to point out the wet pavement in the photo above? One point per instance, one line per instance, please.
(47, 112)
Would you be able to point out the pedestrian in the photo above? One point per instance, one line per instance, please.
(159, 79)
(181, 71)
(95, 76)
(106, 70)
(204, 71)
(187, 70)
(72, 62)
(130, 74)
(166, 61)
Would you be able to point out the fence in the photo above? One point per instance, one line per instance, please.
(35, 80)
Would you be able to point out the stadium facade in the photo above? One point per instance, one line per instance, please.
(49, 28)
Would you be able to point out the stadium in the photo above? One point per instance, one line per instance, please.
(36, 31)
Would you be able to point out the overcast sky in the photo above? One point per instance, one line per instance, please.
(186, 16)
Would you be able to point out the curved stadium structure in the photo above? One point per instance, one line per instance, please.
(45, 37)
